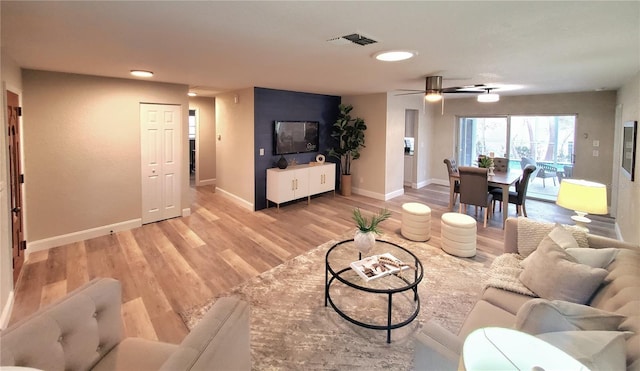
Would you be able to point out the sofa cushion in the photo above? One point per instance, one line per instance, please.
(136, 354)
(553, 274)
(598, 350)
(540, 315)
(485, 314)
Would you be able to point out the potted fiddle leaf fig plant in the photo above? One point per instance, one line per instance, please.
(349, 133)
(365, 238)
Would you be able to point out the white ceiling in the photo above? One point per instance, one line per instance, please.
(543, 47)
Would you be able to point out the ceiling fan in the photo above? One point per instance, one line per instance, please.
(434, 91)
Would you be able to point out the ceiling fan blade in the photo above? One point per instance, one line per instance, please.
(416, 92)
(463, 91)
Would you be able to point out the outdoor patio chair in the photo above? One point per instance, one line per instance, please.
(545, 171)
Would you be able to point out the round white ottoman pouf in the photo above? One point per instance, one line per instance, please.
(458, 234)
(416, 221)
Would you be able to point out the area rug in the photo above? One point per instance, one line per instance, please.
(291, 328)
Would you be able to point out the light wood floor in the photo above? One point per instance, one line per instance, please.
(170, 266)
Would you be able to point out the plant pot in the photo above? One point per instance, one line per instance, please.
(345, 185)
(364, 241)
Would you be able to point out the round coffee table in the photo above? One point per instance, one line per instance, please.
(367, 297)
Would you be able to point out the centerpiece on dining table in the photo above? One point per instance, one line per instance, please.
(486, 162)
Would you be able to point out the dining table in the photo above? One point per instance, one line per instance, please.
(502, 179)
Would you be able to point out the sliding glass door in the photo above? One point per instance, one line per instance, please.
(547, 140)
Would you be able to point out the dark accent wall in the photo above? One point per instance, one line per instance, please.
(271, 105)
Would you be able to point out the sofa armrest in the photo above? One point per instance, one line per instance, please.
(436, 348)
(71, 334)
(219, 341)
(599, 242)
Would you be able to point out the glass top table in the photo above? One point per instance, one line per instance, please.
(371, 304)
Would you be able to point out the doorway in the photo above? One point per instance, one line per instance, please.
(161, 161)
(16, 179)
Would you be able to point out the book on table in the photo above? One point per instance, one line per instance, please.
(377, 266)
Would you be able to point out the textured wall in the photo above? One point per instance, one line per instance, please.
(281, 105)
(82, 149)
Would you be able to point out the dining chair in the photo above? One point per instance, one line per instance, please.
(519, 196)
(501, 164)
(452, 169)
(474, 183)
(529, 161)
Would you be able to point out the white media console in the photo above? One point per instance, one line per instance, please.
(299, 181)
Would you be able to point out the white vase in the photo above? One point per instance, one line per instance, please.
(364, 241)
(491, 173)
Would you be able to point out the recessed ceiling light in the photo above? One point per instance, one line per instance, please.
(191, 94)
(141, 73)
(394, 55)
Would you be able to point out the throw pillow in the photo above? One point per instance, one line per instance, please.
(531, 232)
(538, 316)
(595, 258)
(553, 274)
(598, 350)
(558, 237)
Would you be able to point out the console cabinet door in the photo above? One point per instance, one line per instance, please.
(322, 178)
(287, 184)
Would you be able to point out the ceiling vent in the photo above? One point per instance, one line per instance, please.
(352, 38)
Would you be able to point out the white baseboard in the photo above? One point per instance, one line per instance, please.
(362, 192)
(6, 311)
(186, 212)
(239, 201)
(65, 239)
(394, 194)
(618, 232)
(206, 182)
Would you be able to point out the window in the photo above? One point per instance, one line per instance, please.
(547, 139)
(192, 124)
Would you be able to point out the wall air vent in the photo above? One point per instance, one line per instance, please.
(352, 38)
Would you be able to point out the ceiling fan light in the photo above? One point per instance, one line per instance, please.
(488, 98)
(433, 96)
(394, 55)
(141, 73)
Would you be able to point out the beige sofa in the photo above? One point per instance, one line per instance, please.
(83, 331)
(438, 349)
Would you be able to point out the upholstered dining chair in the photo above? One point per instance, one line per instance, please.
(452, 169)
(501, 164)
(474, 183)
(519, 196)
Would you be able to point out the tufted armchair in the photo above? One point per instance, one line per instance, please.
(83, 331)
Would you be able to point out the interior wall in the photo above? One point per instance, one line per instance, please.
(628, 208)
(205, 139)
(596, 119)
(11, 80)
(368, 173)
(82, 149)
(272, 105)
(235, 146)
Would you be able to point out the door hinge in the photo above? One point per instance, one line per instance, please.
(19, 111)
(13, 263)
(23, 245)
(21, 178)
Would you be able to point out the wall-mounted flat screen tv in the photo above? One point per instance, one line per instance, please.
(295, 137)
